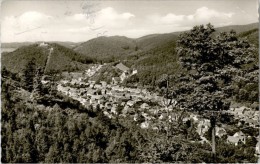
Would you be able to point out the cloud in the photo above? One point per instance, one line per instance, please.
(206, 14)
(14, 26)
(33, 16)
(110, 18)
(35, 25)
(201, 16)
(26, 21)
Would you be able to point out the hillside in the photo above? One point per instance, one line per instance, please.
(113, 48)
(251, 35)
(154, 61)
(51, 57)
(107, 49)
(238, 28)
(158, 51)
(154, 54)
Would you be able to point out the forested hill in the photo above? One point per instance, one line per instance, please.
(51, 57)
(152, 55)
(113, 48)
(107, 49)
(157, 53)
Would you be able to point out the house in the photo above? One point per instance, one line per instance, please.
(43, 44)
(144, 125)
(220, 132)
(123, 103)
(256, 117)
(251, 122)
(98, 86)
(233, 106)
(130, 103)
(113, 110)
(125, 110)
(134, 72)
(194, 117)
(91, 92)
(135, 117)
(131, 111)
(103, 91)
(173, 116)
(128, 96)
(123, 76)
(257, 148)
(116, 80)
(92, 100)
(103, 83)
(107, 114)
(239, 134)
(96, 97)
(122, 67)
(163, 116)
(233, 140)
(101, 106)
(144, 106)
(249, 113)
(203, 126)
(101, 100)
(240, 111)
(108, 105)
(36, 126)
(237, 137)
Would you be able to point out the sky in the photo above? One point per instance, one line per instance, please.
(78, 21)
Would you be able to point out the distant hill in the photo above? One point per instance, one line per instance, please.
(51, 57)
(238, 28)
(9, 47)
(152, 55)
(67, 44)
(15, 44)
(107, 49)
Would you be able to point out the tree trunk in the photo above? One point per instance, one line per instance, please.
(213, 141)
(213, 136)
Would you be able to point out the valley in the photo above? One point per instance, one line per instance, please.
(117, 99)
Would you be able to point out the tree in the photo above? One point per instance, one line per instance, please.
(211, 62)
(28, 75)
(37, 84)
(5, 72)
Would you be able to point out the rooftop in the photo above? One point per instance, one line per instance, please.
(122, 67)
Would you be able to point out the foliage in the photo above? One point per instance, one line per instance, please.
(28, 76)
(212, 63)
